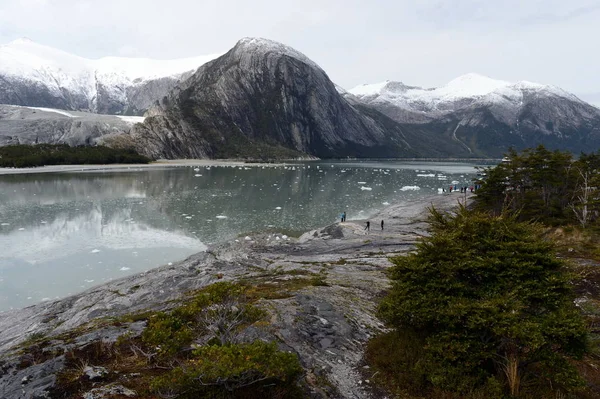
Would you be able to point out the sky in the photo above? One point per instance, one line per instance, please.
(419, 42)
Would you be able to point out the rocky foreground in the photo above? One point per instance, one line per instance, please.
(326, 324)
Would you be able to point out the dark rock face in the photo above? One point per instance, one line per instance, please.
(487, 126)
(558, 125)
(266, 99)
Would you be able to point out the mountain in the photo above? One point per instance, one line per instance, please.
(31, 125)
(32, 74)
(488, 116)
(265, 99)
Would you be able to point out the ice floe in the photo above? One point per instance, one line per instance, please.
(410, 188)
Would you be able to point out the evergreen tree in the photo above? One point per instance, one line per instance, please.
(488, 298)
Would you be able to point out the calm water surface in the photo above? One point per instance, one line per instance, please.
(61, 233)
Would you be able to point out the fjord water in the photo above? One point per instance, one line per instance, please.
(61, 233)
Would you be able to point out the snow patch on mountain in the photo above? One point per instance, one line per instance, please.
(55, 111)
(131, 119)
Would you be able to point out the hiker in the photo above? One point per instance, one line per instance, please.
(382, 225)
(344, 216)
(368, 226)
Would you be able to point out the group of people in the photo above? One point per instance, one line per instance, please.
(367, 227)
(463, 189)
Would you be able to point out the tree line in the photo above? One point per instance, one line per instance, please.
(24, 156)
(484, 308)
(547, 186)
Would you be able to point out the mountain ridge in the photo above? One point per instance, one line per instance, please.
(33, 74)
(264, 93)
(268, 98)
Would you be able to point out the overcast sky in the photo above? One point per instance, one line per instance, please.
(419, 42)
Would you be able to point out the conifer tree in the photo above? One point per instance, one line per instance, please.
(488, 298)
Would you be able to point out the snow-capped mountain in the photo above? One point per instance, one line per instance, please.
(32, 74)
(487, 116)
(266, 99)
(463, 92)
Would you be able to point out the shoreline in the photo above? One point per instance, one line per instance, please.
(326, 326)
(206, 162)
(129, 167)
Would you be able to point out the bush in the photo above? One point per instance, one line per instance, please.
(488, 298)
(218, 312)
(221, 371)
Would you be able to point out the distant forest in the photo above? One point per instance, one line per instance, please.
(24, 156)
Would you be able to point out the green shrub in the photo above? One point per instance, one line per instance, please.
(488, 298)
(215, 371)
(167, 333)
(219, 310)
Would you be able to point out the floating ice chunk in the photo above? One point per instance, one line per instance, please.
(278, 208)
(386, 203)
(188, 217)
(247, 238)
(5, 224)
(197, 175)
(22, 228)
(366, 188)
(221, 217)
(426, 175)
(95, 251)
(455, 182)
(362, 182)
(284, 237)
(89, 281)
(170, 264)
(124, 269)
(277, 238)
(410, 188)
(196, 169)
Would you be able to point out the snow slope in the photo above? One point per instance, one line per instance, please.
(28, 62)
(459, 93)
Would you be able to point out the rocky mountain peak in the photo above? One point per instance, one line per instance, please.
(260, 47)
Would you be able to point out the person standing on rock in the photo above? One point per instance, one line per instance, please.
(368, 226)
(344, 217)
(382, 225)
